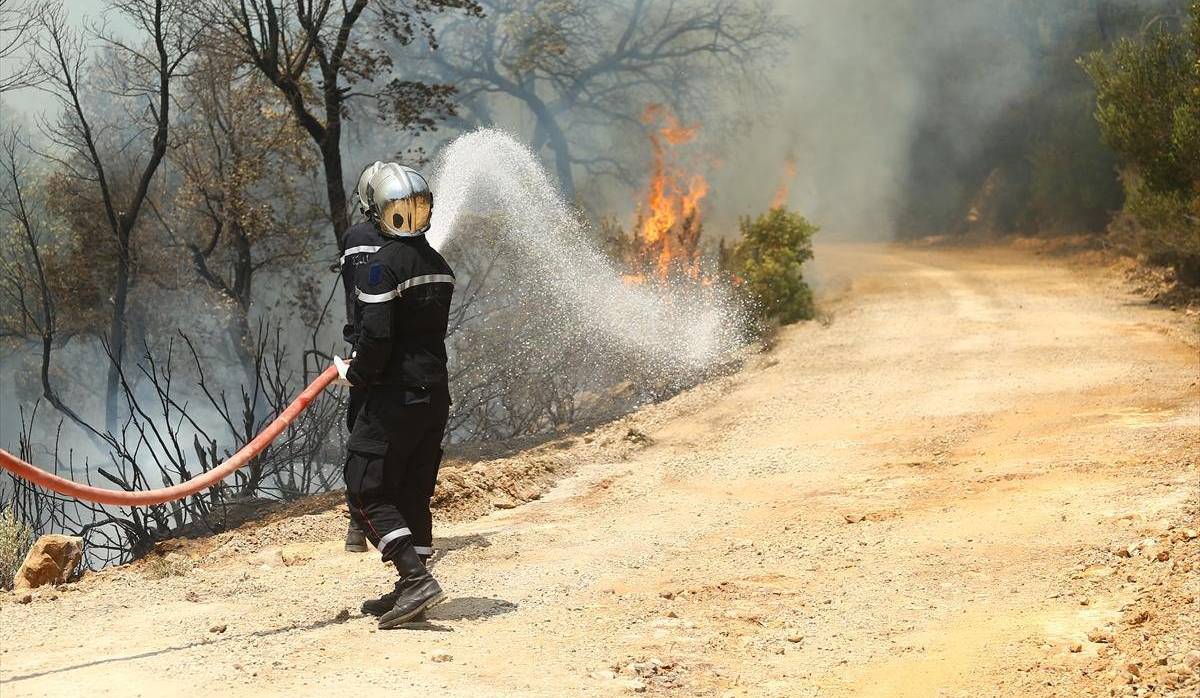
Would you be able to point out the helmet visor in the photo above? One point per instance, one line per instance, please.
(407, 216)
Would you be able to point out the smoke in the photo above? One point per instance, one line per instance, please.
(874, 98)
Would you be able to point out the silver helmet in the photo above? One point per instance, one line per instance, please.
(364, 181)
(401, 199)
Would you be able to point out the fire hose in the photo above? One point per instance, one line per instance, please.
(238, 460)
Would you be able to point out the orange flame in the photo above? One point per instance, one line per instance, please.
(669, 230)
(785, 183)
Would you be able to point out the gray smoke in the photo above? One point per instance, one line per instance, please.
(862, 78)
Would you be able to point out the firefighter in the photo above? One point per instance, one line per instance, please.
(361, 241)
(395, 448)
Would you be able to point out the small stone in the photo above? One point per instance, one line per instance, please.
(1163, 555)
(795, 639)
(1075, 647)
(342, 616)
(1121, 551)
(268, 558)
(1192, 660)
(1099, 636)
(1137, 618)
(294, 555)
(442, 658)
(853, 518)
(1133, 668)
(1188, 534)
(25, 598)
(635, 685)
(638, 438)
(605, 675)
(1096, 571)
(219, 628)
(503, 504)
(191, 596)
(667, 594)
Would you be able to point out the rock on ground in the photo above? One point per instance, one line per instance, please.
(53, 559)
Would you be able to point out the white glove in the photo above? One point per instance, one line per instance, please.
(342, 365)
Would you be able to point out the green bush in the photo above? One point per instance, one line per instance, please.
(767, 263)
(1148, 108)
(15, 538)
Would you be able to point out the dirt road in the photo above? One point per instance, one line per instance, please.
(942, 491)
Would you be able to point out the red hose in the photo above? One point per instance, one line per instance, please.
(70, 488)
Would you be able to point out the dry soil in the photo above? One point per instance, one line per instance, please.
(977, 477)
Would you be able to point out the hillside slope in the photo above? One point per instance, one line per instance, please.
(978, 464)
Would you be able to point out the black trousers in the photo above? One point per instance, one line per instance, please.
(357, 397)
(395, 450)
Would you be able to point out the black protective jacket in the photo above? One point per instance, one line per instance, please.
(361, 241)
(403, 301)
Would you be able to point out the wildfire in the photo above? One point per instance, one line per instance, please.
(668, 231)
(785, 183)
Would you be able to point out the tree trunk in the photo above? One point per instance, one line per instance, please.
(238, 331)
(331, 158)
(554, 135)
(116, 340)
(243, 278)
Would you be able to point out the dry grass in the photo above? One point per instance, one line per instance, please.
(169, 565)
(16, 537)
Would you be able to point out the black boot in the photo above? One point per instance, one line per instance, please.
(356, 540)
(416, 590)
(383, 604)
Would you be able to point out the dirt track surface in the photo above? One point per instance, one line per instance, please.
(976, 465)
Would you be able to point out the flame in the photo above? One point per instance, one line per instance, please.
(669, 228)
(782, 194)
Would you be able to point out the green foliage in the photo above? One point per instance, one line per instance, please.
(1145, 91)
(15, 538)
(768, 261)
(1148, 108)
(1072, 183)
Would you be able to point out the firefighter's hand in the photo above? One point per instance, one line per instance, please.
(343, 365)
